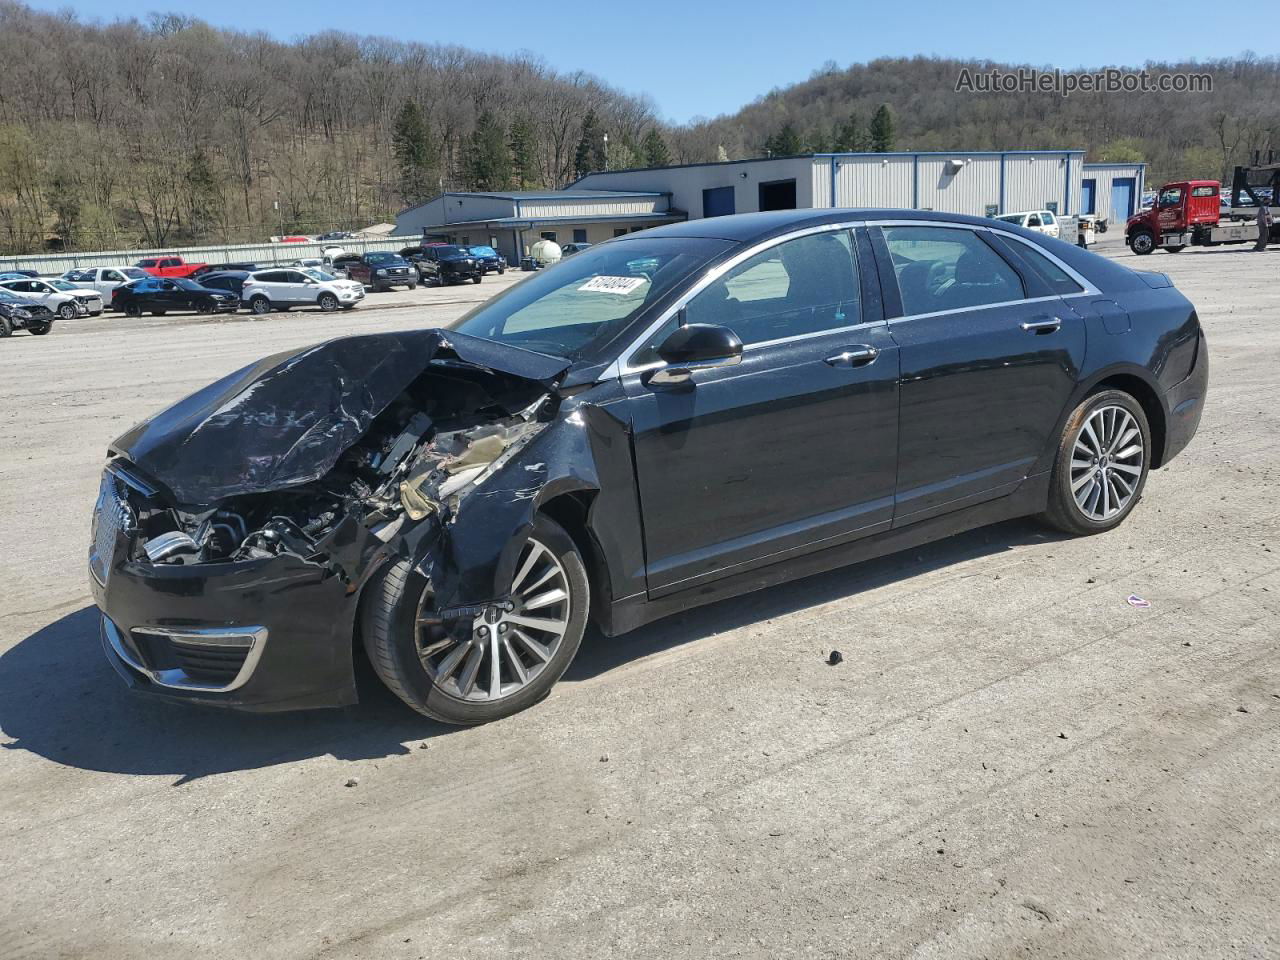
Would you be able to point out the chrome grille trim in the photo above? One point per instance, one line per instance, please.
(252, 640)
(112, 516)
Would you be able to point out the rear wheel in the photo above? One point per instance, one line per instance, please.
(1103, 459)
(328, 302)
(132, 310)
(473, 670)
(260, 305)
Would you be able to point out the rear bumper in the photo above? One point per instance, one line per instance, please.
(1185, 404)
(261, 635)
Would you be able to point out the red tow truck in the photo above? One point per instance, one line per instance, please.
(1190, 213)
(168, 266)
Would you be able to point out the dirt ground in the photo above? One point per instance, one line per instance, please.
(1011, 760)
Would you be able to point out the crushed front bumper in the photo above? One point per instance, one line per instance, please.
(262, 635)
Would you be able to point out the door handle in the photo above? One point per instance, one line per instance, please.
(858, 356)
(1042, 325)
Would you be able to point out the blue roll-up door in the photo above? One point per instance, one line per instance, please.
(1088, 188)
(718, 202)
(1122, 190)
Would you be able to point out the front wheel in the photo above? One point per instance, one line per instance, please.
(67, 311)
(1102, 463)
(1178, 249)
(1142, 242)
(6, 328)
(474, 670)
(204, 306)
(39, 329)
(477, 278)
(328, 302)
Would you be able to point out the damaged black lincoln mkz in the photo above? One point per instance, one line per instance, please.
(663, 420)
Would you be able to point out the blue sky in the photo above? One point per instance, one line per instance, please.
(706, 57)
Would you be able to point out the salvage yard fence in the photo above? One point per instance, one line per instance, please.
(262, 253)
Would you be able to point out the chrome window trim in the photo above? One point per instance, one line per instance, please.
(622, 366)
(211, 636)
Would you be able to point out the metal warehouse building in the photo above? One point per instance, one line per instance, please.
(512, 222)
(604, 205)
(1112, 190)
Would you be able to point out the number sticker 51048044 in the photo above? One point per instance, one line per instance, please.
(618, 285)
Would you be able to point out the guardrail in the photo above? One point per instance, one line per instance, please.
(264, 253)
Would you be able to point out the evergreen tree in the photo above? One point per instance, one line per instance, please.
(204, 194)
(591, 154)
(654, 149)
(882, 138)
(785, 143)
(851, 136)
(523, 141)
(415, 158)
(487, 165)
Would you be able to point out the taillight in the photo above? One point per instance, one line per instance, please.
(247, 283)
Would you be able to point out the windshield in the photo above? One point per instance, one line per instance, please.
(483, 251)
(319, 275)
(382, 257)
(450, 252)
(134, 273)
(62, 285)
(1012, 218)
(186, 284)
(579, 307)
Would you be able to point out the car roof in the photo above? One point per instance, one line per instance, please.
(752, 227)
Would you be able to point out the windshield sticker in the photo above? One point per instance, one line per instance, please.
(619, 285)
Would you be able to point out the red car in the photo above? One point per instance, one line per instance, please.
(168, 266)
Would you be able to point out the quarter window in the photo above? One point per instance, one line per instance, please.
(1054, 275)
(941, 268)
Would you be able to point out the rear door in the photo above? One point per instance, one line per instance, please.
(791, 450)
(990, 355)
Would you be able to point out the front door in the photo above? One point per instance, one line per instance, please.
(986, 369)
(791, 450)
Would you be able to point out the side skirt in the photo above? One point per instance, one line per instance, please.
(627, 614)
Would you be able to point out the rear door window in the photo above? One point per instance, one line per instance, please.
(946, 268)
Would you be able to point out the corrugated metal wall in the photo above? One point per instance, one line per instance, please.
(1103, 174)
(268, 253)
(584, 207)
(870, 181)
(959, 184)
(1033, 180)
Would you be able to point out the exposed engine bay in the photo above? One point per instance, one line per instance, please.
(451, 429)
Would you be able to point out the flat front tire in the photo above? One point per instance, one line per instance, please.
(474, 670)
(1103, 459)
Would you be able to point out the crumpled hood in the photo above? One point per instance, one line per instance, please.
(286, 419)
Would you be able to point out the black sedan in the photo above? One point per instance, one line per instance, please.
(665, 419)
(161, 295)
(18, 313)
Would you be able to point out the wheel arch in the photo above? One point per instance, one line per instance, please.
(1136, 382)
(572, 510)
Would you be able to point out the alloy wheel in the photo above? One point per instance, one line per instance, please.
(508, 645)
(1107, 461)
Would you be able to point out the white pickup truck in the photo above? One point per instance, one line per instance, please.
(104, 279)
(1077, 230)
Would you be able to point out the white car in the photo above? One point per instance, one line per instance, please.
(65, 299)
(104, 279)
(283, 287)
(1041, 221)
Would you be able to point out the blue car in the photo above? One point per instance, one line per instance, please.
(490, 259)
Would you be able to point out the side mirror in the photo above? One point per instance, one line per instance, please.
(694, 347)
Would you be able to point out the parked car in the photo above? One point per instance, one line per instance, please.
(1042, 221)
(807, 389)
(295, 239)
(336, 235)
(265, 290)
(208, 268)
(18, 274)
(65, 299)
(308, 263)
(169, 266)
(381, 270)
(161, 295)
(490, 260)
(19, 313)
(228, 281)
(341, 264)
(571, 248)
(105, 280)
(331, 253)
(445, 264)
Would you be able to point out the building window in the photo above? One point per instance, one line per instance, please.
(993, 209)
(466, 240)
(579, 234)
(1052, 206)
(619, 231)
(548, 235)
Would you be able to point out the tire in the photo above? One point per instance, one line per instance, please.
(259, 305)
(132, 310)
(1101, 226)
(1142, 242)
(392, 640)
(378, 289)
(501, 271)
(1177, 249)
(477, 278)
(1110, 416)
(39, 329)
(67, 311)
(204, 306)
(6, 328)
(413, 286)
(328, 302)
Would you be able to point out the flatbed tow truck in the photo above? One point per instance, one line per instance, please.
(1192, 213)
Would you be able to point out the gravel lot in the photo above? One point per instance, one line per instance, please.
(1010, 761)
